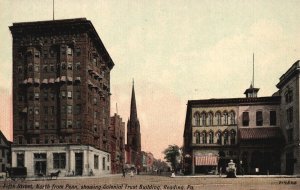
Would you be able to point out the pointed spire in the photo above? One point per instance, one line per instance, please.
(133, 110)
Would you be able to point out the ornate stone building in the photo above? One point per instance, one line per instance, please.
(5, 154)
(61, 98)
(261, 134)
(117, 143)
(133, 146)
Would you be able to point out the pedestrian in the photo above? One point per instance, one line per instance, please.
(123, 171)
(131, 173)
(220, 173)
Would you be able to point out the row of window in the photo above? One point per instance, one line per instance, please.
(59, 160)
(50, 52)
(207, 119)
(47, 140)
(223, 138)
(50, 95)
(259, 118)
(50, 68)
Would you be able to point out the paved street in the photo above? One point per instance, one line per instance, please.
(155, 182)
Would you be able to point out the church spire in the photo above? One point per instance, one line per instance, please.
(133, 110)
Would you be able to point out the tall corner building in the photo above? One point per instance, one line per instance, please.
(61, 98)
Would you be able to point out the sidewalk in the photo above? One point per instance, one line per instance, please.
(238, 176)
(68, 177)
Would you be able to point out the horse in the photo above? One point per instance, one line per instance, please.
(54, 174)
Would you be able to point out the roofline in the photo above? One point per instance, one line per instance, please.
(5, 139)
(237, 101)
(290, 73)
(62, 23)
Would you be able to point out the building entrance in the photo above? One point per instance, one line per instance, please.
(78, 163)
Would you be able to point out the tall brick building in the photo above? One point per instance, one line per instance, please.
(261, 134)
(61, 98)
(117, 143)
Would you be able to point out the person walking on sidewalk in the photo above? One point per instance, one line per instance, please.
(131, 173)
(123, 171)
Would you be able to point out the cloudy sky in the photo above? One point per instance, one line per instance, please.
(174, 50)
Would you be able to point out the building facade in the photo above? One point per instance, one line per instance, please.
(133, 146)
(260, 134)
(5, 153)
(61, 98)
(117, 143)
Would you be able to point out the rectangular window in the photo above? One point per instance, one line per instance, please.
(78, 51)
(45, 68)
(37, 54)
(259, 118)
(96, 161)
(59, 160)
(77, 66)
(63, 66)
(103, 163)
(63, 94)
(69, 123)
(36, 68)
(52, 96)
(289, 115)
(290, 135)
(69, 94)
(69, 109)
(20, 140)
(63, 109)
(52, 69)
(37, 125)
(69, 51)
(70, 67)
(245, 118)
(272, 117)
(63, 123)
(52, 110)
(95, 128)
(36, 96)
(36, 111)
(45, 95)
(78, 124)
(20, 159)
(77, 109)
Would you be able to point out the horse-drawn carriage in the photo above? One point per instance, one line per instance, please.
(16, 173)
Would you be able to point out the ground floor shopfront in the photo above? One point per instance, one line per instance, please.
(70, 160)
(249, 161)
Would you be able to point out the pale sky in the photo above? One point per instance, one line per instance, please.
(174, 50)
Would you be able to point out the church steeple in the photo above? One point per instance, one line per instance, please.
(251, 92)
(133, 110)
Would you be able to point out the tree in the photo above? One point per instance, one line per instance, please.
(171, 155)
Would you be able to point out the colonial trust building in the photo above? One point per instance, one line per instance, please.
(61, 98)
(260, 134)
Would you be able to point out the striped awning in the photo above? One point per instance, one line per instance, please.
(51, 80)
(63, 78)
(70, 79)
(206, 160)
(29, 80)
(36, 81)
(45, 81)
(77, 79)
(260, 133)
(57, 80)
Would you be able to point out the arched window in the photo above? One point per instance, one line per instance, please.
(225, 137)
(232, 137)
(197, 138)
(204, 137)
(203, 117)
(211, 137)
(197, 119)
(225, 114)
(210, 118)
(232, 117)
(219, 136)
(218, 116)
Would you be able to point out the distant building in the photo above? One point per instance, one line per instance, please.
(5, 153)
(61, 98)
(133, 146)
(117, 143)
(260, 134)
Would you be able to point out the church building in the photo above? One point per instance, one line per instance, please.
(133, 146)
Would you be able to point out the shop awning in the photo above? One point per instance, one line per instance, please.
(51, 80)
(45, 81)
(206, 160)
(63, 78)
(260, 133)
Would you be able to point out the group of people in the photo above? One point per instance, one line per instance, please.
(131, 172)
